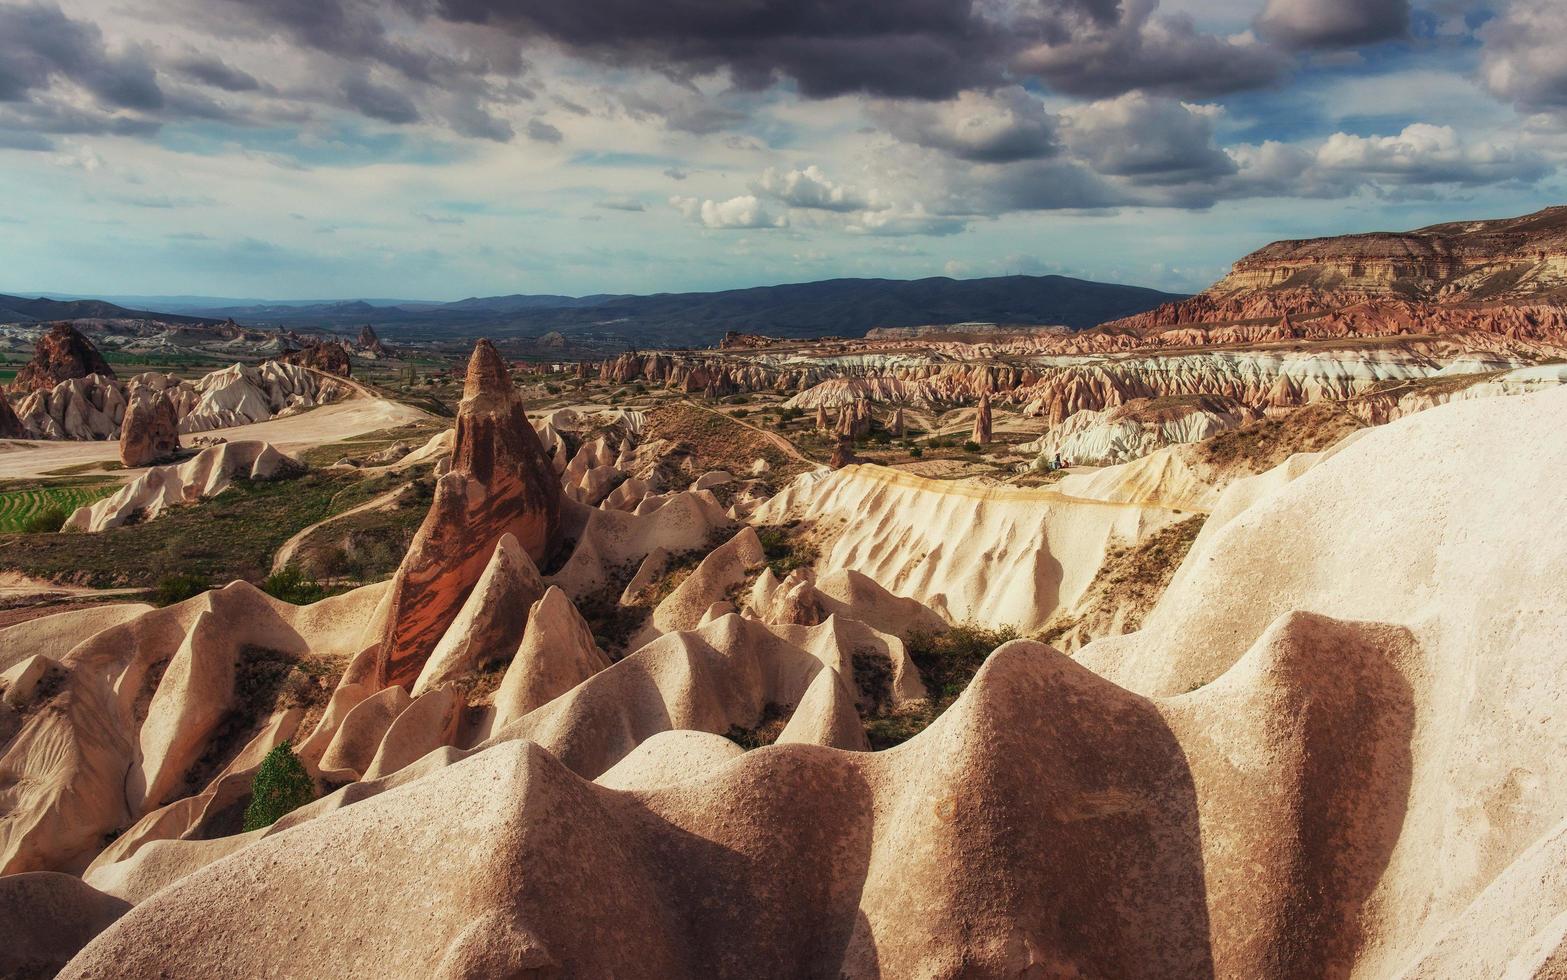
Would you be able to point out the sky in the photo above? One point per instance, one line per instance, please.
(439, 149)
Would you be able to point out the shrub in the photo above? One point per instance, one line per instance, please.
(971, 446)
(281, 785)
(916, 452)
(739, 413)
(292, 585)
(791, 413)
(178, 587)
(47, 521)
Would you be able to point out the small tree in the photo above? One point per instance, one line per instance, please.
(280, 786)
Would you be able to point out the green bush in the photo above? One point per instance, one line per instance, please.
(281, 785)
(916, 452)
(179, 587)
(47, 521)
(971, 446)
(293, 585)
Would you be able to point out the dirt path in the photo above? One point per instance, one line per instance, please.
(285, 554)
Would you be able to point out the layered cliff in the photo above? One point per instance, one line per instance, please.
(1470, 264)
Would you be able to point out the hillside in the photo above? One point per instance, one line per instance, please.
(837, 307)
(16, 309)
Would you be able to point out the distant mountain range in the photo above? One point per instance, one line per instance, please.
(836, 307)
(15, 309)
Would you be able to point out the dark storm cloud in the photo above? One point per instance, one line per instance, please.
(901, 48)
(216, 73)
(39, 44)
(1139, 51)
(543, 132)
(1333, 23)
(379, 101)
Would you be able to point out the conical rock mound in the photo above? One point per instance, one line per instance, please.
(500, 482)
(557, 654)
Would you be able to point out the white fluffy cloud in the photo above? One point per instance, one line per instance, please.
(810, 189)
(1427, 154)
(745, 211)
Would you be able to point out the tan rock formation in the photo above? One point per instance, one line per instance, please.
(557, 653)
(149, 432)
(500, 482)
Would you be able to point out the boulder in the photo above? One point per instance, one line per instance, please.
(150, 432)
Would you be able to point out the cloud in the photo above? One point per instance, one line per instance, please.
(1164, 55)
(998, 127)
(213, 71)
(675, 173)
(746, 211)
(543, 132)
(40, 44)
(913, 221)
(1149, 141)
(1523, 58)
(1332, 23)
(809, 188)
(620, 204)
(468, 118)
(1427, 154)
(378, 101)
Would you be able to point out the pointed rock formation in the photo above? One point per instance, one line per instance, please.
(557, 654)
(822, 422)
(500, 482)
(491, 622)
(151, 430)
(982, 420)
(61, 354)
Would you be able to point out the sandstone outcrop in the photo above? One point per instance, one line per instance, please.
(150, 431)
(206, 474)
(62, 354)
(94, 407)
(369, 344)
(500, 482)
(331, 356)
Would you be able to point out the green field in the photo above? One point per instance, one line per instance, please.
(17, 506)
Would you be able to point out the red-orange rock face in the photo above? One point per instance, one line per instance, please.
(150, 432)
(500, 482)
(60, 355)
